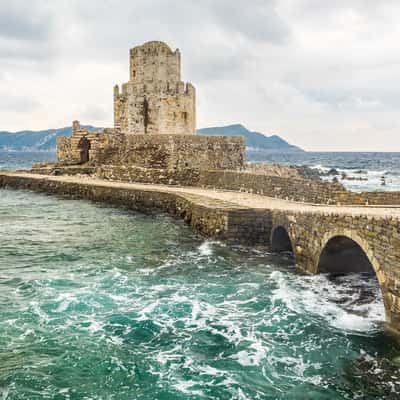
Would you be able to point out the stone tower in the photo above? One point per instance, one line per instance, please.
(155, 100)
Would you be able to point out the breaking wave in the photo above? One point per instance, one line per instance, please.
(103, 303)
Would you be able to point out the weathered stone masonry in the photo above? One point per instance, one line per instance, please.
(209, 217)
(295, 189)
(154, 123)
(379, 238)
(302, 190)
(155, 100)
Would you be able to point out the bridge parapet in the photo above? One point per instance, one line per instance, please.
(303, 190)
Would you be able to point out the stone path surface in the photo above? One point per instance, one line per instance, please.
(245, 200)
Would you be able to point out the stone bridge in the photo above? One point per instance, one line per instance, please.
(337, 239)
(340, 243)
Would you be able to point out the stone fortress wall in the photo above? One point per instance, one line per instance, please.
(295, 189)
(154, 124)
(154, 141)
(67, 147)
(287, 188)
(120, 152)
(171, 152)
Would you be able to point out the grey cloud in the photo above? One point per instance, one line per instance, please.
(93, 114)
(24, 20)
(22, 53)
(25, 31)
(330, 9)
(216, 38)
(13, 103)
(362, 99)
(118, 24)
(275, 65)
(257, 20)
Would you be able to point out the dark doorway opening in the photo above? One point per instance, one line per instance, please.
(84, 147)
(280, 241)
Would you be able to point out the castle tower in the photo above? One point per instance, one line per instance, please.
(155, 100)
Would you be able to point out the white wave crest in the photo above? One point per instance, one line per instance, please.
(341, 302)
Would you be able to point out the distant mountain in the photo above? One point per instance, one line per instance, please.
(35, 140)
(255, 141)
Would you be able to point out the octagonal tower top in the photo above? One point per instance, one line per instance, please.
(154, 61)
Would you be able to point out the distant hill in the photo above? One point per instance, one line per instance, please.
(46, 140)
(35, 140)
(255, 141)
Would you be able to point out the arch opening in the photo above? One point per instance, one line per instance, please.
(84, 146)
(354, 285)
(343, 255)
(280, 241)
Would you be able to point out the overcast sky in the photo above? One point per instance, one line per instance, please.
(324, 75)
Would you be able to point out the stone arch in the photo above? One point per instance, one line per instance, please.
(376, 268)
(333, 240)
(280, 240)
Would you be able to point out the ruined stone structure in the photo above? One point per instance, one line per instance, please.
(155, 100)
(155, 125)
(68, 147)
(153, 142)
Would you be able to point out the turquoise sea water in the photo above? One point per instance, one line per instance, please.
(98, 302)
(363, 171)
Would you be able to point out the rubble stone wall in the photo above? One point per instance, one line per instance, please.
(184, 177)
(175, 152)
(274, 186)
(304, 190)
(207, 216)
(67, 147)
(170, 152)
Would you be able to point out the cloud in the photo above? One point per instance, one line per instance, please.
(17, 104)
(25, 32)
(24, 20)
(94, 114)
(321, 74)
(256, 21)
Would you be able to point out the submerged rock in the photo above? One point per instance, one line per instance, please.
(332, 171)
(378, 377)
(309, 173)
